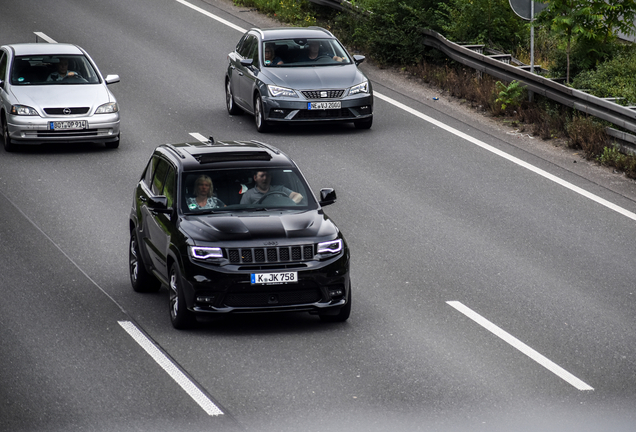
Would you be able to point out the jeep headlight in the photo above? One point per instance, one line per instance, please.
(203, 253)
(330, 248)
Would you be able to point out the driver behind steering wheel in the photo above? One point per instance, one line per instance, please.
(263, 186)
(62, 71)
(314, 52)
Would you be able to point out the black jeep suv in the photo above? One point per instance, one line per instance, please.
(233, 227)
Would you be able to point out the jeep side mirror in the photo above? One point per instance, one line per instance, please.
(327, 196)
(159, 204)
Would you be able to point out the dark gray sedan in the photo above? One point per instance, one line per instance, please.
(53, 92)
(297, 75)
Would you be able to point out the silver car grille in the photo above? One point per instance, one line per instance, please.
(67, 111)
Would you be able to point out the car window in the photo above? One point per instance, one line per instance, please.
(235, 190)
(3, 66)
(298, 52)
(159, 176)
(170, 188)
(247, 47)
(53, 69)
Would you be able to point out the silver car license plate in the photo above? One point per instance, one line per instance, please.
(274, 278)
(323, 105)
(67, 125)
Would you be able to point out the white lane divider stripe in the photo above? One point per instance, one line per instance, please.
(211, 15)
(516, 343)
(167, 365)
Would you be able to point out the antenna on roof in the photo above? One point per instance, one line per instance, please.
(211, 139)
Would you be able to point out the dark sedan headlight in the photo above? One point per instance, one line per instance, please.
(360, 88)
(330, 248)
(203, 253)
(277, 91)
(23, 110)
(107, 108)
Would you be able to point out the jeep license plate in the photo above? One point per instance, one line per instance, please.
(323, 105)
(274, 278)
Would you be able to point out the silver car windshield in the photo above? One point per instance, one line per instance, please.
(52, 69)
(304, 53)
(241, 190)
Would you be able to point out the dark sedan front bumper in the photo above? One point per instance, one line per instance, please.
(352, 108)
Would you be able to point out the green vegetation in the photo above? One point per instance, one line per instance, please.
(573, 38)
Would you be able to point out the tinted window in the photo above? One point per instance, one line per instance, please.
(39, 70)
(234, 188)
(297, 52)
(159, 177)
(3, 65)
(248, 46)
(170, 187)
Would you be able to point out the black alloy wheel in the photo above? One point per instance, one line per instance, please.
(6, 139)
(180, 316)
(140, 279)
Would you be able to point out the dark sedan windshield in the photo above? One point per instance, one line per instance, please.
(304, 52)
(212, 191)
(52, 69)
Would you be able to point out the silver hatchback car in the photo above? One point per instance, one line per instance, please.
(54, 92)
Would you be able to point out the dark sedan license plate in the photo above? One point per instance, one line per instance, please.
(274, 278)
(67, 125)
(323, 105)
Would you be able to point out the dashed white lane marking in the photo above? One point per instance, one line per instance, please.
(198, 136)
(516, 343)
(45, 37)
(167, 365)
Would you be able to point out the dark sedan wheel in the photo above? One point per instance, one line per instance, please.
(363, 124)
(259, 115)
(180, 316)
(6, 140)
(232, 109)
(342, 315)
(140, 279)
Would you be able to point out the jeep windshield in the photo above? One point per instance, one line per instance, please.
(232, 190)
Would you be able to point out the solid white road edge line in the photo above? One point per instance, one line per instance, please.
(511, 158)
(45, 37)
(454, 131)
(516, 343)
(167, 365)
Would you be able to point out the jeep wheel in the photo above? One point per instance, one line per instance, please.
(140, 279)
(180, 316)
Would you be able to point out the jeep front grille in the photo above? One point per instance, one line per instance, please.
(271, 254)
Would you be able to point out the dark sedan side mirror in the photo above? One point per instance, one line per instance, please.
(247, 62)
(358, 59)
(327, 196)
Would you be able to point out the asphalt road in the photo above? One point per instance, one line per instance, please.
(493, 283)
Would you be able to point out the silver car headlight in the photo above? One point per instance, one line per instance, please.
(277, 91)
(360, 88)
(205, 253)
(23, 110)
(107, 108)
(330, 248)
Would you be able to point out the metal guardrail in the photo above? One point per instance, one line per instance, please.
(605, 109)
(498, 65)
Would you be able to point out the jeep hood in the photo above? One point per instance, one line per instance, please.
(271, 226)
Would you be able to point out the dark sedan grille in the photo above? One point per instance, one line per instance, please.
(272, 298)
(60, 111)
(318, 94)
(271, 254)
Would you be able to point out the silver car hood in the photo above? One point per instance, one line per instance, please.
(315, 77)
(62, 96)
